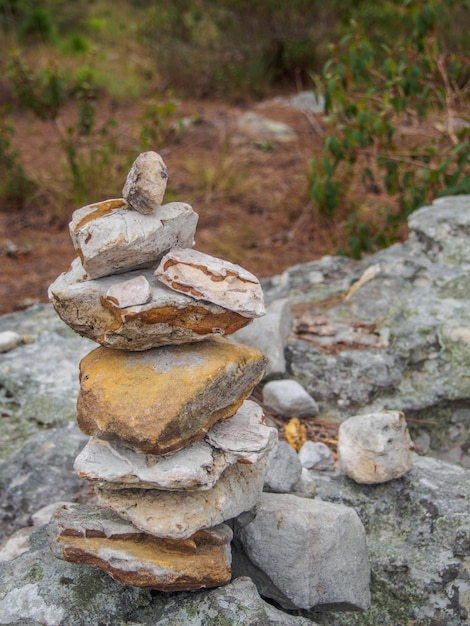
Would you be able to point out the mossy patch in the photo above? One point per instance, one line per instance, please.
(35, 574)
(85, 591)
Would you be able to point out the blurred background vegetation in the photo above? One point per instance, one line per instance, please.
(378, 66)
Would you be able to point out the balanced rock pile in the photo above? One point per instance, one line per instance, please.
(176, 449)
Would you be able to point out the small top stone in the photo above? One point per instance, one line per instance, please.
(146, 183)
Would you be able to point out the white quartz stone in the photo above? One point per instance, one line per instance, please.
(375, 448)
(205, 277)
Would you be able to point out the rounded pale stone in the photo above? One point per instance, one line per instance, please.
(9, 340)
(146, 182)
(97, 536)
(375, 448)
(289, 398)
(161, 400)
(130, 292)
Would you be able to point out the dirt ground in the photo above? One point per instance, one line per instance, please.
(251, 196)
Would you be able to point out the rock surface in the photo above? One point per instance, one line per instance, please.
(168, 318)
(180, 514)
(161, 400)
(205, 277)
(284, 469)
(375, 448)
(304, 553)
(146, 182)
(96, 536)
(289, 398)
(36, 588)
(242, 438)
(110, 238)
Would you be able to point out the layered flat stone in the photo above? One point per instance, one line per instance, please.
(110, 238)
(180, 514)
(96, 536)
(146, 182)
(161, 400)
(169, 317)
(205, 277)
(243, 438)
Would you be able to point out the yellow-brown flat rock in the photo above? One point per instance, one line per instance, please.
(97, 536)
(163, 399)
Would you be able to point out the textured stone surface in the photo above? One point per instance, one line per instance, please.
(36, 588)
(304, 553)
(161, 400)
(418, 532)
(109, 238)
(242, 438)
(289, 398)
(96, 536)
(205, 277)
(146, 182)
(179, 514)
(269, 334)
(38, 380)
(168, 318)
(375, 448)
(284, 469)
(130, 292)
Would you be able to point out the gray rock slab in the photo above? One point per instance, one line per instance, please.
(269, 334)
(178, 515)
(304, 553)
(110, 238)
(205, 277)
(242, 438)
(41, 472)
(418, 531)
(36, 588)
(38, 379)
(284, 469)
(146, 182)
(374, 448)
(289, 399)
(168, 318)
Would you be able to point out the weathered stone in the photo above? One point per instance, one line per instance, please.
(205, 277)
(36, 588)
(99, 537)
(304, 553)
(315, 454)
(130, 292)
(375, 448)
(169, 318)
(289, 398)
(9, 340)
(146, 182)
(269, 334)
(284, 469)
(263, 129)
(242, 438)
(180, 514)
(110, 239)
(305, 487)
(161, 400)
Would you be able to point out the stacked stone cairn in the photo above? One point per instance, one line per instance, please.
(175, 447)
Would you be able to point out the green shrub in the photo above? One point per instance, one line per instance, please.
(15, 186)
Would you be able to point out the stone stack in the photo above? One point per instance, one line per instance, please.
(175, 447)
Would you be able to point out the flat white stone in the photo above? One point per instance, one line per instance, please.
(205, 277)
(110, 238)
(130, 292)
(179, 514)
(168, 318)
(146, 182)
(242, 438)
(375, 448)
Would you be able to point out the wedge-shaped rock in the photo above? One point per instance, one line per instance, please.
(110, 238)
(97, 536)
(161, 400)
(304, 553)
(205, 277)
(168, 318)
(180, 514)
(242, 438)
(146, 182)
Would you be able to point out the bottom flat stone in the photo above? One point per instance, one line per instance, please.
(97, 536)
